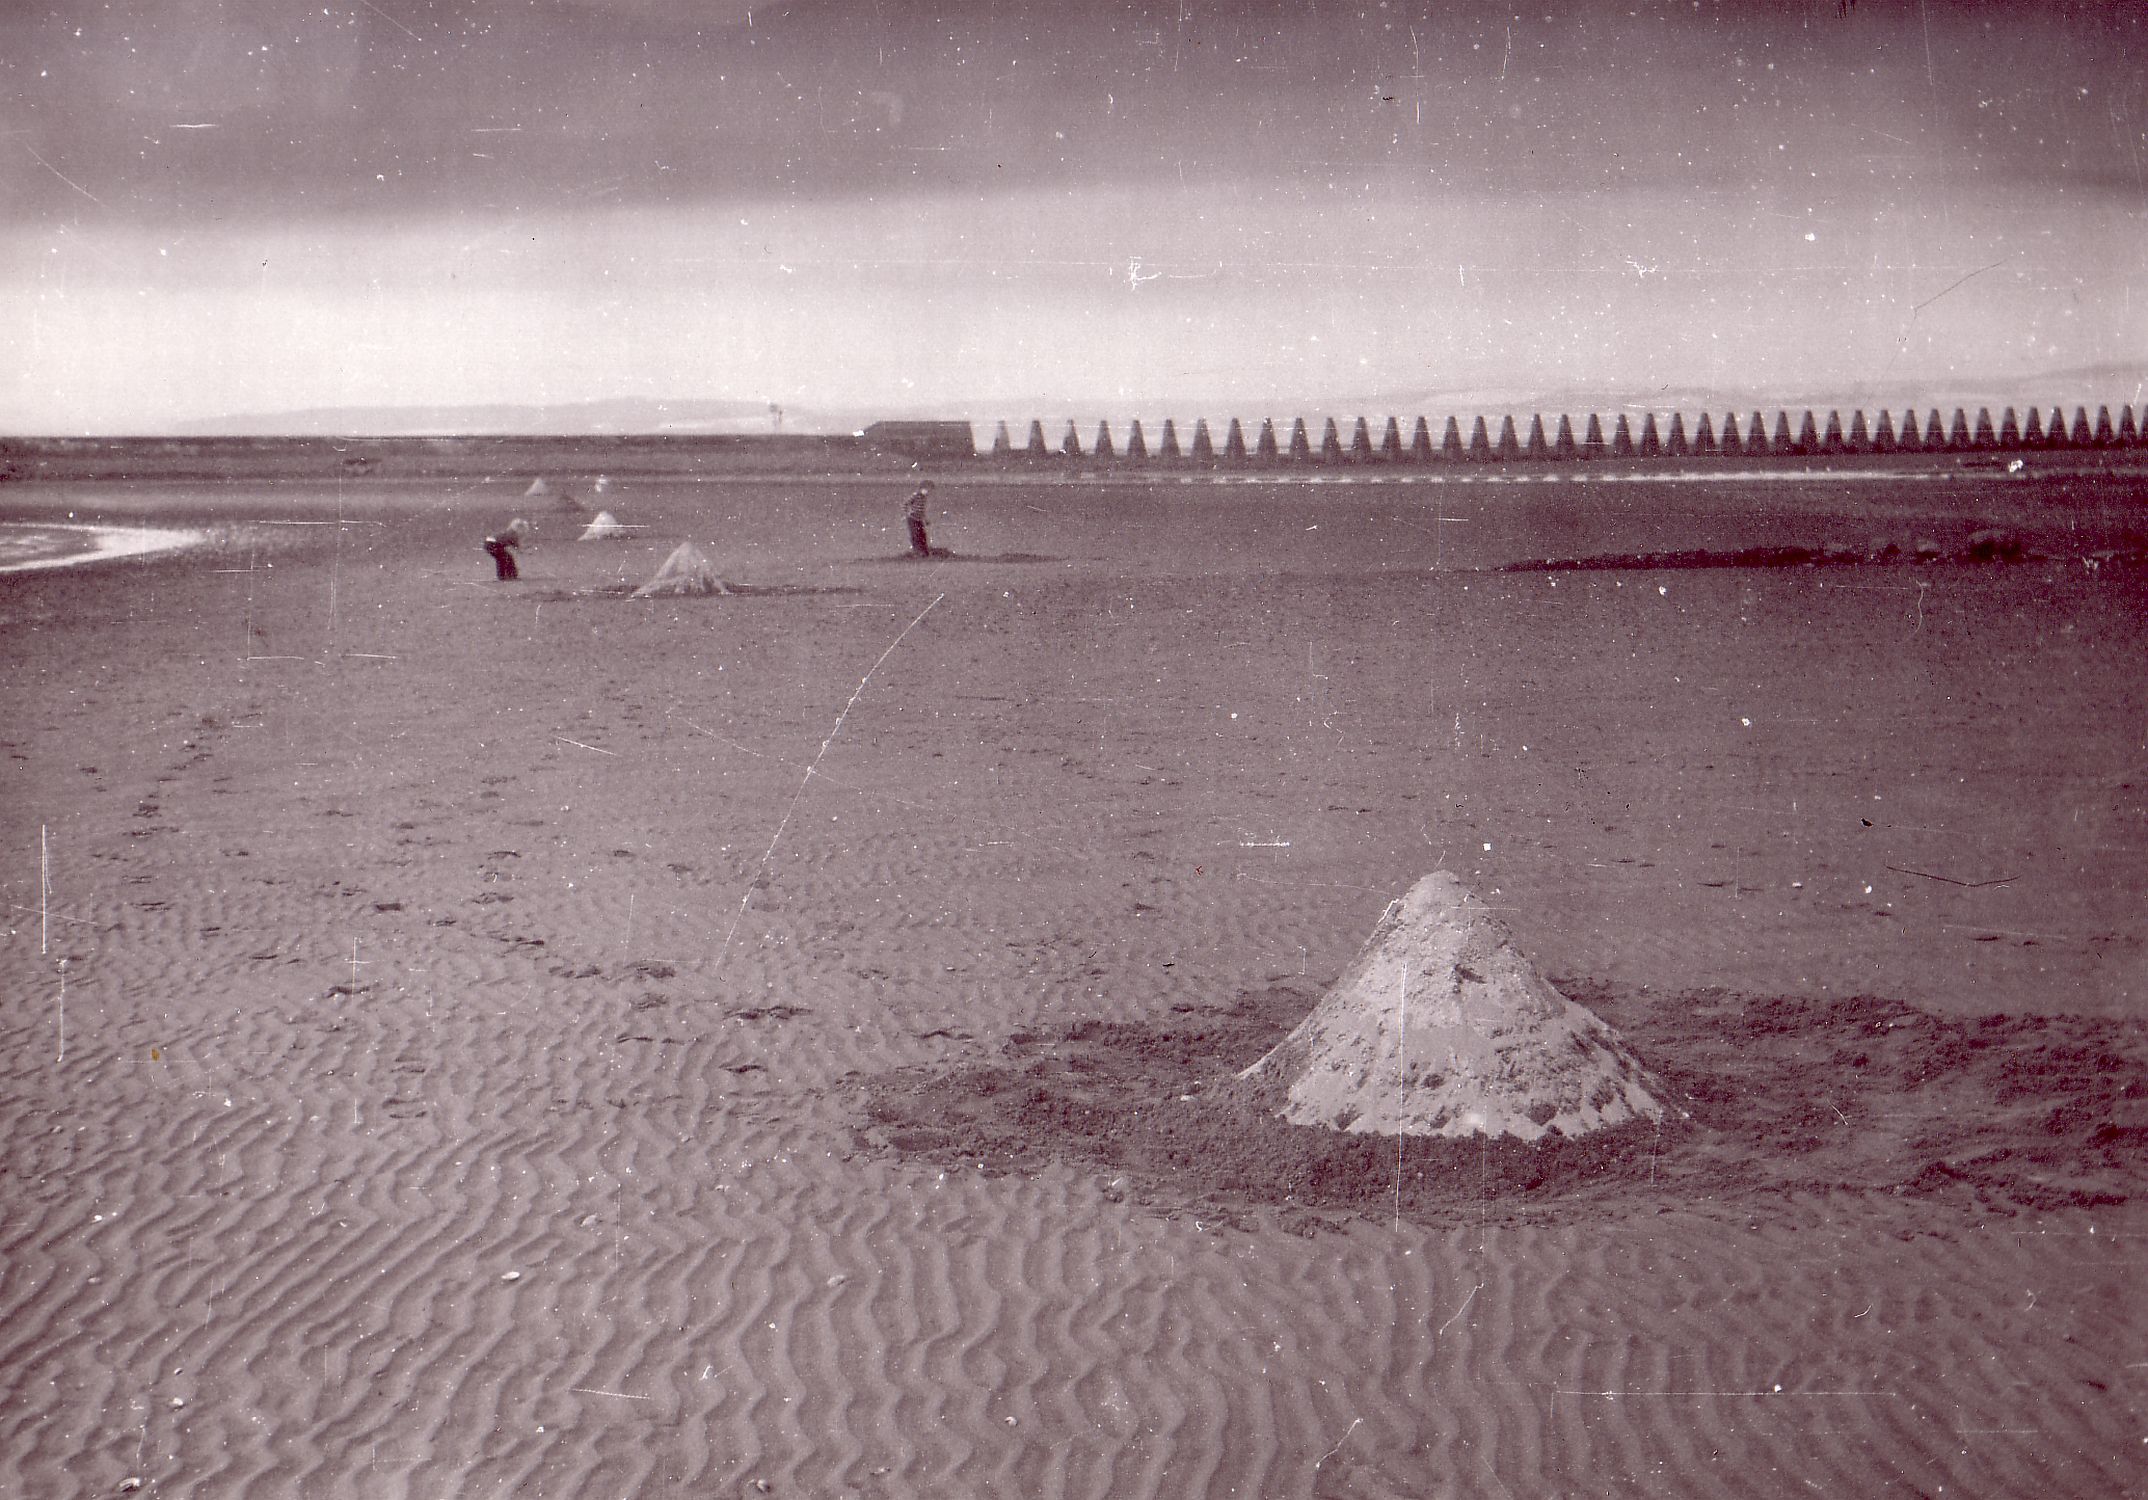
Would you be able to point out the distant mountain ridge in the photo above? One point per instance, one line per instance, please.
(2086, 385)
(2091, 386)
(614, 415)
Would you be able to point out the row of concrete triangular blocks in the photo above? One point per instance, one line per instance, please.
(1754, 438)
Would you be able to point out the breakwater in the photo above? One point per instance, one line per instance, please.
(1502, 439)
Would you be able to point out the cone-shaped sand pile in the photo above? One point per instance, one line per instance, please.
(606, 527)
(1439, 1027)
(562, 500)
(687, 571)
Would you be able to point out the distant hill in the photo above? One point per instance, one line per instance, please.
(2115, 384)
(2089, 385)
(621, 415)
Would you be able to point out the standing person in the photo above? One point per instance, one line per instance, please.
(502, 549)
(913, 511)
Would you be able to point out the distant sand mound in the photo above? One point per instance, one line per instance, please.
(687, 571)
(1441, 1027)
(605, 527)
(562, 500)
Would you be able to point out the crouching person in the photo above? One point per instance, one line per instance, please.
(502, 550)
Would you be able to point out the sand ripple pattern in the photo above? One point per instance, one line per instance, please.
(457, 1036)
(328, 1302)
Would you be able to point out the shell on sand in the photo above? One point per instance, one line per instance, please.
(605, 527)
(687, 571)
(1441, 1027)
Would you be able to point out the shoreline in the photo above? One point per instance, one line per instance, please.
(100, 543)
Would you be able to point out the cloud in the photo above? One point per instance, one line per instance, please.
(1110, 297)
(244, 203)
(395, 108)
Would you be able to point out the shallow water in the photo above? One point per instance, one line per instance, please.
(52, 544)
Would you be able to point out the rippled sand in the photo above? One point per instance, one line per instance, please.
(440, 1014)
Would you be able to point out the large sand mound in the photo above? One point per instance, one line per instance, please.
(1441, 1027)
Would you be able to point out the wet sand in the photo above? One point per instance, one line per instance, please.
(482, 1002)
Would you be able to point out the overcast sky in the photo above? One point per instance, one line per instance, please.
(990, 209)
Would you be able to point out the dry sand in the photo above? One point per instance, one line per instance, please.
(482, 1002)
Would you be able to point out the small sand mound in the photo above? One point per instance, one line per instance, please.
(1441, 1027)
(687, 571)
(605, 527)
(563, 501)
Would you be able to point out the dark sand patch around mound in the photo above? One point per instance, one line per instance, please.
(946, 555)
(630, 591)
(1987, 546)
(1766, 1098)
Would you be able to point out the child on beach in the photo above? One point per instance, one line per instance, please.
(503, 555)
(913, 511)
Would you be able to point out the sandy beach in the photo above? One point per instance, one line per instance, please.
(457, 1034)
